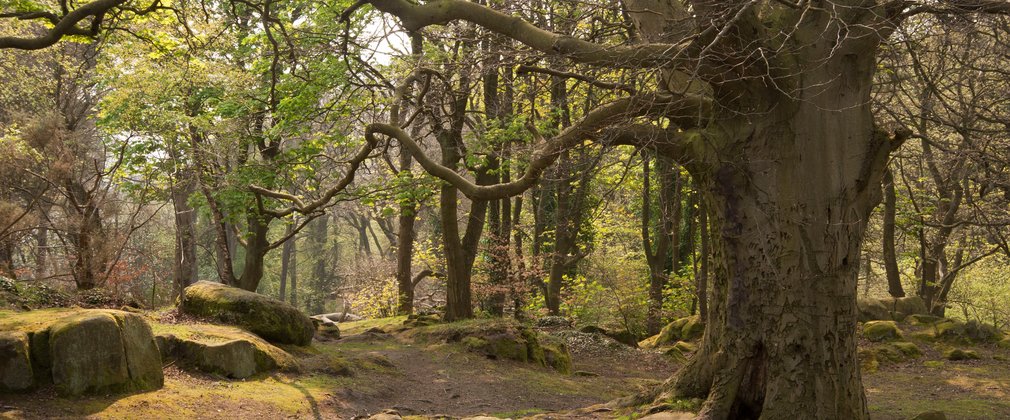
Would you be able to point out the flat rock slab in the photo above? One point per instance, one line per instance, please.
(223, 350)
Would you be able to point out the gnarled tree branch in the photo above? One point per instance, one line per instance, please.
(549, 151)
(62, 26)
(416, 16)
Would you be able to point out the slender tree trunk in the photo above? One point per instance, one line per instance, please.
(405, 242)
(286, 251)
(890, 254)
(186, 268)
(293, 270)
(42, 252)
(705, 255)
(322, 281)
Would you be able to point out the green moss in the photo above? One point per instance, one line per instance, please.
(689, 328)
(934, 364)
(907, 349)
(556, 354)
(923, 319)
(959, 354)
(881, 331)
(966, 332)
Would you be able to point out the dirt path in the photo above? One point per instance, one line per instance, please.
(441, 379)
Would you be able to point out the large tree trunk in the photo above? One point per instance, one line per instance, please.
(788, 202)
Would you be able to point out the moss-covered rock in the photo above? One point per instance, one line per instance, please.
(224, 350)
(930, 415)
(923, 319)
(269, 318)
(325, 328)
(872, 310)
(890, 309)
(556, 354)
(906, 306)
(501, 339)
(15, 362)
(622, 335)
(871, 358)
(683, 329)
(966, 332)
(868, 360)
(959, 354)
(908, 349)
(881, 331)
(100, 350)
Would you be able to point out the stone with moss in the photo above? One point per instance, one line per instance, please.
(683, 329)
(930, 415)
(970, 332)
(908, 349)
(500, 339)
(224, 350)
(275, 321)
(868, 361)
(881, 331)
(871, 309)
(960, 354)
(556, 354)
(98, 351)
(923, 319)
(15, 362)
(908, 305)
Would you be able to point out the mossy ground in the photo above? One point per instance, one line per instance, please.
(372, 372)
(963, 389)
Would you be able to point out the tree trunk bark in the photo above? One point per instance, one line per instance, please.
(185, 234)
(286, 259)
(405, 248)
(788, 197)
(890, 254)
(256, 247)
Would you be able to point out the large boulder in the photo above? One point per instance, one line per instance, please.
(102, 350)
(224, 350)
(15, 362)
(269, 318)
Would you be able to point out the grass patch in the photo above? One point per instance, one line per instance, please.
(358, 327)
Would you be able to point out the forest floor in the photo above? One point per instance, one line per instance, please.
(366, 373)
